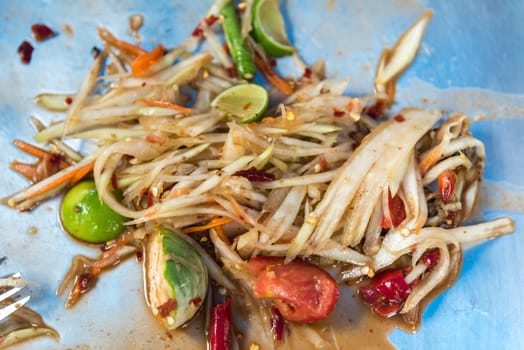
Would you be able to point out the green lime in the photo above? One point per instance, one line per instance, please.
(269, 29)
(86, 217)
(248, 102)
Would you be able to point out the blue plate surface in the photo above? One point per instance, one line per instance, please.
(471, 61)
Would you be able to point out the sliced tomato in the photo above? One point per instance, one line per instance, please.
(302, 292)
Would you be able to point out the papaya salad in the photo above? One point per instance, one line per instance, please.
(239, 187)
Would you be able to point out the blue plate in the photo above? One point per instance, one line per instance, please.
(471, 61)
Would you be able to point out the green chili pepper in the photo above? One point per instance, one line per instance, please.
(176, 278)
(237, 46)
(86, 217)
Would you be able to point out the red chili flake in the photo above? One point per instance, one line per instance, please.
(150, 199)
(338, 113)
(246, 106)
(396, 209)
(231, 72)
(25, 51)
(307, 73)
(139, 256)
(451, 215)
(68, 29)
(197, 32)
(166, 308)
(42, 32)
(397, 212)
(56, 159)
(322, 162)
(377, 110)
(196, 301)
(277, 324)
(431, 258)
(399, 118)
(385, 224)
(255, 175)
(272, 62)
(156, 138)
(85, 281)
(386, 293)
(68, 100)
(211, 19)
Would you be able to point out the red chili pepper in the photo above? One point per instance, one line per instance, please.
(307, 73)
(397, 212)
(277, 324)
(386, 293)
(220, 326)
(42, 32)
(431, 258)
(255, 175)
(446, 183)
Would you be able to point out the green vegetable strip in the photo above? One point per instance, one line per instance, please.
(237, 46)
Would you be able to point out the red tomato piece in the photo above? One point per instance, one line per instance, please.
(302, 292)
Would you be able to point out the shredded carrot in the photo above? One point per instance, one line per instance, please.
(24, 169)
(108, 37)
(268, 120)
(236, 207)
(82, 172)
(61, 180)
(165, 104)
(272, 77)
(37, 152)
(221, 234)
(211, 224)
(141, 64)
(430, 159)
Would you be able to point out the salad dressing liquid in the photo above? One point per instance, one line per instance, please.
(350, 326)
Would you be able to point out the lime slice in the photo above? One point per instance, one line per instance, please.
(269, 29)
(248, 102)
(86, 217)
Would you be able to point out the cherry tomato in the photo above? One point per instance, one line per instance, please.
(302, 292)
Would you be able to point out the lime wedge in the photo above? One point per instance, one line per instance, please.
(269, 29)
(248, 102)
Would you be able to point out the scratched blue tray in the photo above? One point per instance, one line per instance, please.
(470, 61)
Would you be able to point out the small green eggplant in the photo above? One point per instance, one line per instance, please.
(176, 278)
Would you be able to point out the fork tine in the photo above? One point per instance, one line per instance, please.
(9, 309)
(13, 290)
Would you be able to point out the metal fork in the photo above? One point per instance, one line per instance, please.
(14, 304)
